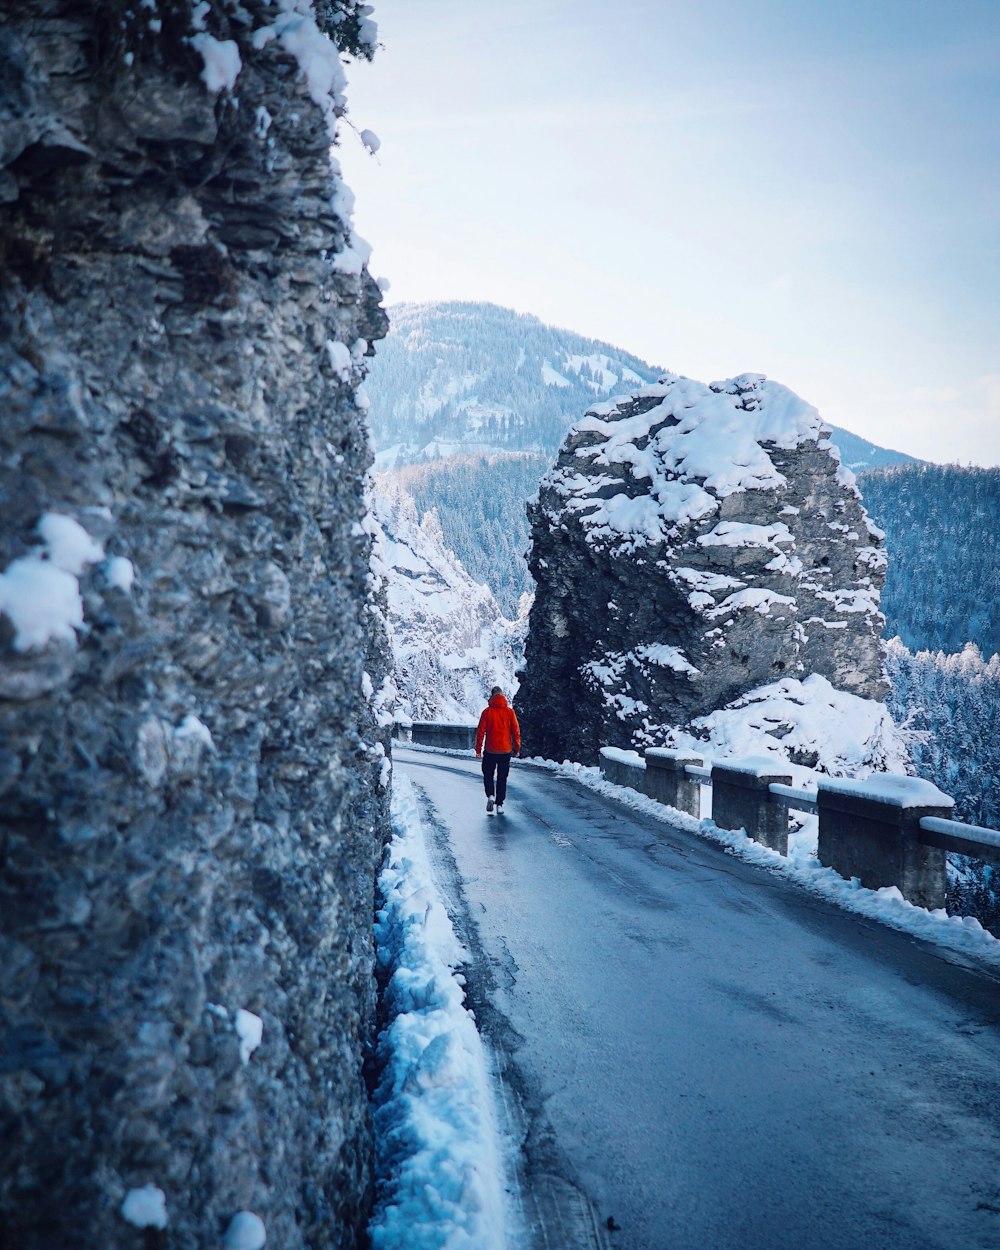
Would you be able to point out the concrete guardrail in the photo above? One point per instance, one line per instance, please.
(886, 830)
(436, 734)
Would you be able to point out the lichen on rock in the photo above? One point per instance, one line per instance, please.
(691, 544)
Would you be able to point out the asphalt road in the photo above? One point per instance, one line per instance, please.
(699, 1055)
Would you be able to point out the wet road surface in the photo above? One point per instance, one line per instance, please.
(703, 1053)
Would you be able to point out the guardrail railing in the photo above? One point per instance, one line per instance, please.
(886, 831)
(436, 734)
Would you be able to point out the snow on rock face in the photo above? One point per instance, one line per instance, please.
(451, 643)
(694, 543)
(246, 1231)
(40, 592)
(222, 61)
(250, 1030)
(145, 1207)
(808, 723)
(690, 445)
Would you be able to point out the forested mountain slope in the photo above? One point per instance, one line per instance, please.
(451, 643)
(943, 581)
(949, 709)
(480, 502)
(473, 377)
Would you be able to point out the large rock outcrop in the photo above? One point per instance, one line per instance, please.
(192, 779)
(694, 544)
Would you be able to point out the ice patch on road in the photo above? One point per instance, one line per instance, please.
(440, 1174)
(958, 933)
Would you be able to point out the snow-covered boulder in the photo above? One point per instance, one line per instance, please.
(694, 544)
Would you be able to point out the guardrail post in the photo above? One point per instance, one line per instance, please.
(870, 830)
(401, 731)
(740, 800)
(623, 768)
(667, 782)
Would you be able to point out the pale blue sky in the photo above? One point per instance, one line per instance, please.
(806, 190)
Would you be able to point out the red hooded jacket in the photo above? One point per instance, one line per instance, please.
(498, 726)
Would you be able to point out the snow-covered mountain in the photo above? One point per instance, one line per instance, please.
(467, 377)
(474, 377)
(450, 641)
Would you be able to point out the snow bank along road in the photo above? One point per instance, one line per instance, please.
(703, 1053)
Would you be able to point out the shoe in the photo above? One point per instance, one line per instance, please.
(489, 805)
(499, 808)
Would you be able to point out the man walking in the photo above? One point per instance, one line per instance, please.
(499, 730)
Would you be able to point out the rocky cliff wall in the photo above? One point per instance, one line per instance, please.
(693, 544)
(192, 772)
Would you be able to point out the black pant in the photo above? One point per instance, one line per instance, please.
(496, 762)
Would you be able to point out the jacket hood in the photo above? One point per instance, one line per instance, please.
(498, 700)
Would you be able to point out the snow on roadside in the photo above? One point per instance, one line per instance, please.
(958, 933)
(440, 1175)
